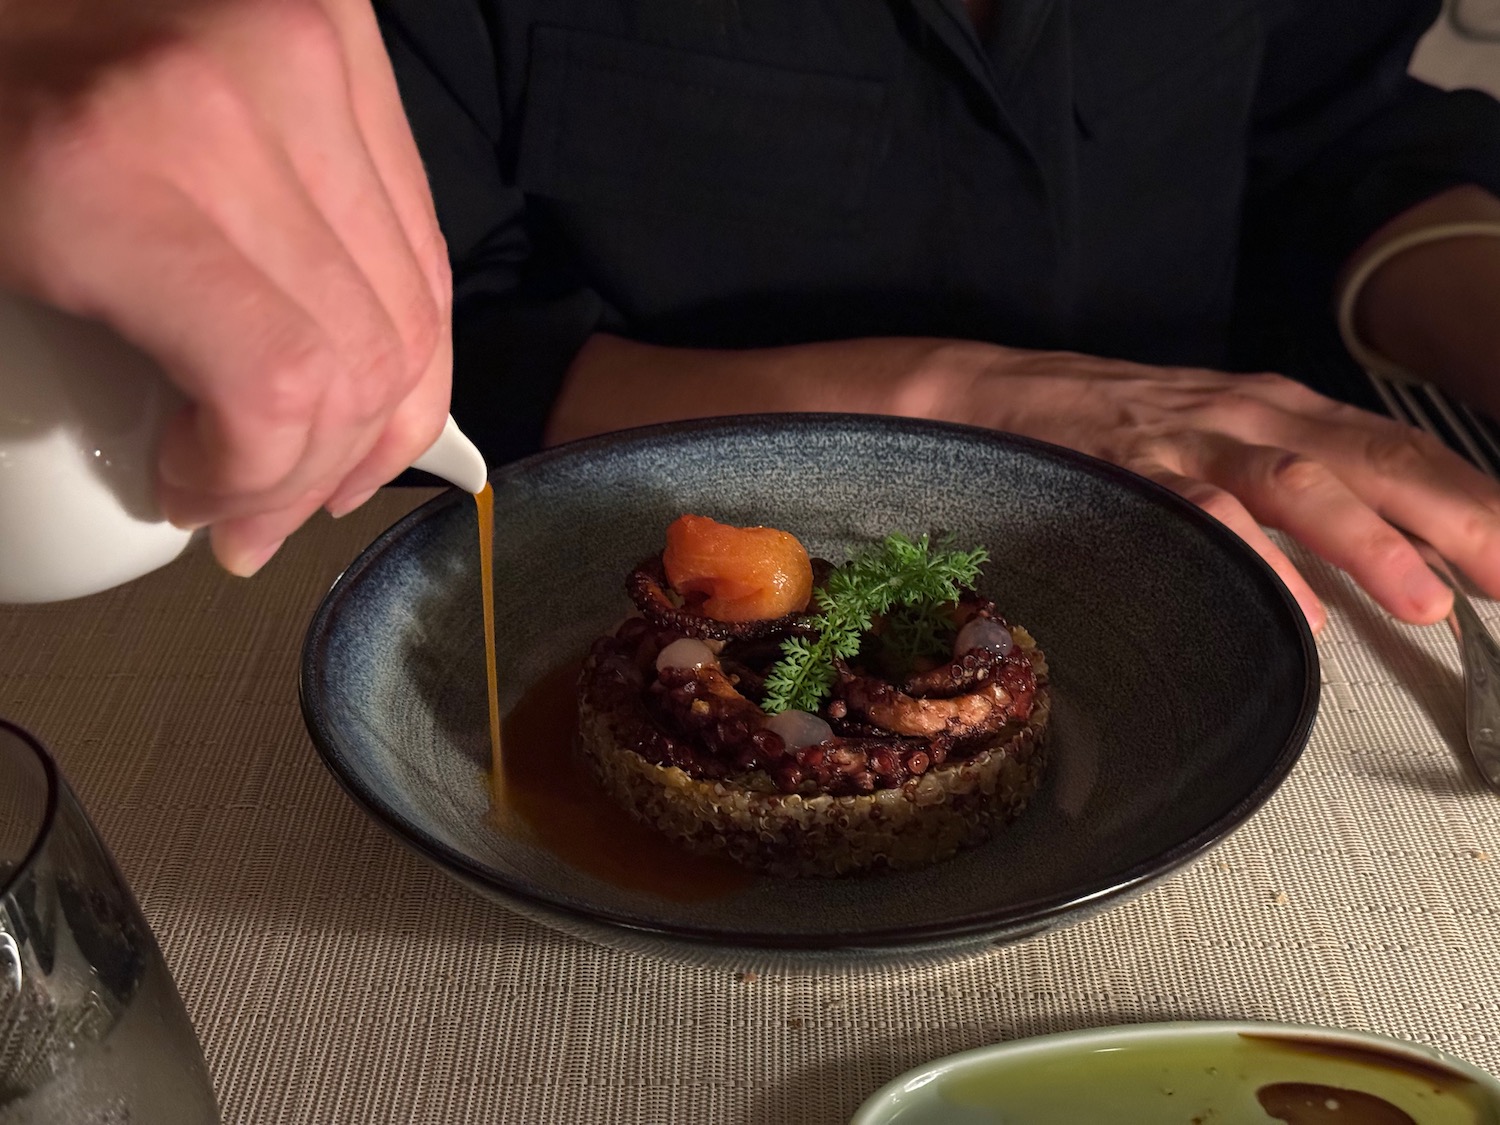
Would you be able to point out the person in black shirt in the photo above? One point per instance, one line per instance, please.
(1059, 217)
(1067, 218)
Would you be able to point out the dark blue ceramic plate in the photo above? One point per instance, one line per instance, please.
(1185, 680)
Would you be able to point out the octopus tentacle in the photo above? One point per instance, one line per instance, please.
(703, 704)
(968, 670)
(647, 586)
(964, 673)
(748, 662)
(1005, 696)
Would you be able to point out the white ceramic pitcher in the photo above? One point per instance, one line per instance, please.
(80, 415)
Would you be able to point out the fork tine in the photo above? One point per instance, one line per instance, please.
(1455, 424)
(1443, 406)
(1403, 405)
(1486, 431)
(1393, 406)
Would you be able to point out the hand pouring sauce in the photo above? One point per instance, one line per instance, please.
(81, 412)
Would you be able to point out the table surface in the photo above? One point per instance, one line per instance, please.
(335, 977)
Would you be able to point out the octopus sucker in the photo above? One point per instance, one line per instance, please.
(966, 672)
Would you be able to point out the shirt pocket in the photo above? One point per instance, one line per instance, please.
(1155, 69)
(624, 124)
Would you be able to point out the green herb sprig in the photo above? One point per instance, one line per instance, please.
(914, 578)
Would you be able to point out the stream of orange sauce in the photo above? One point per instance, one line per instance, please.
(484, 501)
(542, 788)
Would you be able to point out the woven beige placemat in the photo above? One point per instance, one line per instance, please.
(333, 977)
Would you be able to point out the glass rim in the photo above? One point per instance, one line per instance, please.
(49, 814)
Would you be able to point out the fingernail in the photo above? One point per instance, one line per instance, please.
(341, 506)
(1426, 590)
(178, 513)
(1317, 618)
(250, 562)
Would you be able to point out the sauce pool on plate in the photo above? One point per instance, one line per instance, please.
(541, 787)
(548, 787)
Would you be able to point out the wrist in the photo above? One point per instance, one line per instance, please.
(1389, 316)
(1421, 298)
(940, 380)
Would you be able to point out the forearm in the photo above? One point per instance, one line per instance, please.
(1434, 310)
(616, 383)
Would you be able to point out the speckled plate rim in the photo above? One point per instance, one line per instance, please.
(1023, 918)
(877, 1108)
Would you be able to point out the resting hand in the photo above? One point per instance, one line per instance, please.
(1262, 450)
(232, 185)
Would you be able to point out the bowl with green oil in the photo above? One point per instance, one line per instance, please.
(1194, 1073)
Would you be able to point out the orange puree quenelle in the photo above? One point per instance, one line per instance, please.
(745, 573)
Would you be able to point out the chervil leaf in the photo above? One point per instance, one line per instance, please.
(900, 574)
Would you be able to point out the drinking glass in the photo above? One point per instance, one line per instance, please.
(92, 1030)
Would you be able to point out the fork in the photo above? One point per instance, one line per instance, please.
(1478, 650)
(1481, 661)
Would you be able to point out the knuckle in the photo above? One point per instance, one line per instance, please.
(1221, 505)
(1479, 527)
(1298, 475)
(1211, 498)
(1272, 381)
(1269, 381)
(182, 75)
(303, 33)
(1384, 548)
(173, 72)
(295, 377)
(293, 24)
(379, 376)
(1167, 460)
(1238, 408)
(62, 149)
(244, 464)
(184, 62)
(1296, 395)
(1398, 452)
